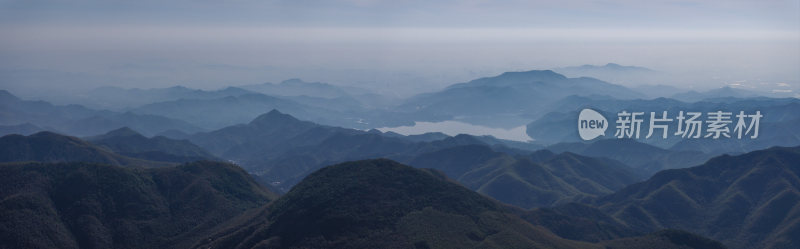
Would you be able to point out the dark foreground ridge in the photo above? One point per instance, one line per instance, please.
(86, 205)
(746, 201)
(383, 204)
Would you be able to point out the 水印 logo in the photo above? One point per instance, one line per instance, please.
(591, 124)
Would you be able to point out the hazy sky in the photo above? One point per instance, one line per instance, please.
(401, 47)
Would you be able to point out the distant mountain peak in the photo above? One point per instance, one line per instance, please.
(122, 132)
(297, 81)
(464, 139)
(352, 187)
(274, 116)
(179, 87)
(607, 66)
(721, 92)
(274, 112)
(5, 95)
(514, 78)
(233, 89)
(539, 75)
(50, 134)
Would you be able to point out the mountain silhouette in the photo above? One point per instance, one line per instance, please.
(78, 120)
(87, 205)
(128, 142)
(745, 201)
(510, 93)
(51, 147)
(383, 204)
(529, 181)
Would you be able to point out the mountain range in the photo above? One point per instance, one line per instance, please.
(540, 179)
(229, 110)
(87, 205)
(508, 100)
(612, 72)
(51, 147)
(116, 98)
(723, 92)
(128, 142)
(81, 121)
(284, 150)
(644, 158)
(746, 201)
(511, 93)
(383, 204)
(188, 168)
(298, 87)
(21, 129)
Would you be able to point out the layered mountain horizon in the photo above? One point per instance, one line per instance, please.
(535, 98)
(315, 165)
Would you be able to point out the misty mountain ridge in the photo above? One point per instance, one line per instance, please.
(267, 143)
(629, 76)
(561, 174)
(215, 113)
(229, 110)
(126, 141)
(511, 99)
(51, 147)
(519, 94)
(514, 78)
(21, 129)
(609, 66)
(658, 90)
(498, 91)
(81, 121)
(284, 149)
(315, 93)
(682, 86)
(645, 158)
(298, 87)
(539, 179)
(723, 92)
(117, 98)
(364, 124)
(273, 128)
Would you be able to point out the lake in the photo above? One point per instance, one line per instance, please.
(453, 128)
